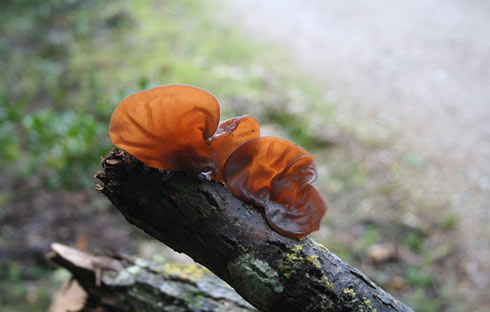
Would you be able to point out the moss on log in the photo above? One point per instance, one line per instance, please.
(231, 238)
(129, 284)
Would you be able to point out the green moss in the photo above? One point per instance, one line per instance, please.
(327, 283)
(348, 293)
(368, 304)
(319, 245)
(350, 297)
(255, 278)
(314, 261)
(291, 262)
(286, 272)
(294, 261)
(193, 299)
(297, 248)
(292, 257)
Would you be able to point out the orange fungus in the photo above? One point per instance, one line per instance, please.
(176, 127)
(277, 174)
(230, 135)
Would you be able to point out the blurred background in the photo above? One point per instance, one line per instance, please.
(392, 98)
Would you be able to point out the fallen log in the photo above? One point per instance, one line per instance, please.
(128, 284)
(231, 238)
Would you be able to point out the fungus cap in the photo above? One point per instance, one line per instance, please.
(230, 135)
(277, 174)
(176, 127)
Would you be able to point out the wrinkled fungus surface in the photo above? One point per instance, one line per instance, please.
(176, 127)
(277, 174)
(230, 135)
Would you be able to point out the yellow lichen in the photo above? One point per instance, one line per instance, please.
(368, 303)
(320, 245)
(297, 248)
(184, 271)
(329, 284)
(289, 265)
(314, 260)
(349, 293)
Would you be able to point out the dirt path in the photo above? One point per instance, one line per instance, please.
(420, 67)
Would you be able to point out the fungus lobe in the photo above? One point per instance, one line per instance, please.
(230, 135)
(277, 174)
(176, 127)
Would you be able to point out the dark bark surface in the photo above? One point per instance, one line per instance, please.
(129, 284)
(232, 239)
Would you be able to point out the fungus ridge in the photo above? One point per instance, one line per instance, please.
(277, 174)
(176, 127)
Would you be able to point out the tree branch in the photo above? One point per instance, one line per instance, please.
(232, 239)
(130, 284)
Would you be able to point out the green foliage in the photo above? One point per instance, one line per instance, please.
(297, 129)
(422, 282)
(414, 240)
(370, 237)
(77, 59)
(418, 277)
(60, 147)
(9, 116)
(37, 292)
(67, 144)
(424, 303)
(449, 221)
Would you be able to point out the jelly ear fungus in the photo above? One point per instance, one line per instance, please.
(277, 174)
(176, 127)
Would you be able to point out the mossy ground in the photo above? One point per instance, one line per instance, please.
(65, 66)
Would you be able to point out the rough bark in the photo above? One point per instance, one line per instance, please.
(232, 239)
(130, 284)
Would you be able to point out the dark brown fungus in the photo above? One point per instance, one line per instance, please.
(176, 127)
(277, 174)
